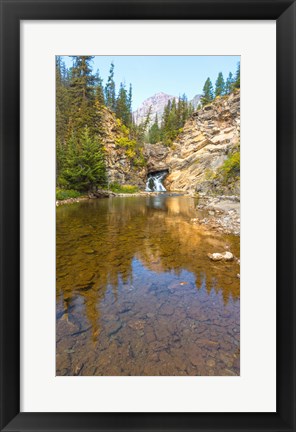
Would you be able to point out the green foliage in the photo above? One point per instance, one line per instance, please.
(85, 166)
(174, 117)
(63, 194)
(123, 105)
(236, 84)
(220, 85)
(82, 94)
(128, 189)
(132, 150)
(229, 84)
(99, 89)
(207, 95)
(62, 100)
(110, 96)
(229, 171)
(222, 88)
(139, 160)
(126, 142)
(155, 132)
(231, 167)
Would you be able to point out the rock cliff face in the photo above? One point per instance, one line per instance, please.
(201, 149)
(208, 137)
(120, 168)
(156, 157)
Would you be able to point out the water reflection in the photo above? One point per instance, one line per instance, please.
(137, 295)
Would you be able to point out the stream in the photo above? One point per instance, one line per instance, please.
(136, 293)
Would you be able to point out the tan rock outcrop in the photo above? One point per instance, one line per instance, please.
(207, 138)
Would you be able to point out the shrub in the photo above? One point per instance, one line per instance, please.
(231, 166)
(126, 143)
(63, 194)
(117, 188)
(140, 161)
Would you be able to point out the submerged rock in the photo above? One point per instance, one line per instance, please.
(226, 256)
(137, 325)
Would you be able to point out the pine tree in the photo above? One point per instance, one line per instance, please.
(207, 95)
(229, 83)
(190, 109)
(122, 109)
(82, 95)
(82, 80)
(154, 132)
(140, 133)
(99, 89)
(170, 123)
(220, 85)
(71, 167)
(130, 104)
(110, 95)
(85, 165)
(92, 160)
(62, 113)
(236, 83)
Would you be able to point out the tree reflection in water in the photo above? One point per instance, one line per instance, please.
(137, 294)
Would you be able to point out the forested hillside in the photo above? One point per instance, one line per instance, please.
(98, 144)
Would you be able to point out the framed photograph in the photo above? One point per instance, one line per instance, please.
(147, 214)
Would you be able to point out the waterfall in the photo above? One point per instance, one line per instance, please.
(154, 181)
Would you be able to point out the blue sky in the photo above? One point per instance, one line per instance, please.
(174, 75)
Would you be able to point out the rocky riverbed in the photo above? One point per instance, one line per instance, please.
(139, 294)
(219, 213)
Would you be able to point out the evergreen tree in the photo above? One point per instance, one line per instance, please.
(170, 123)
(140, 132)
(154, 132)
(70, 164)
(85, 165)
(122, 109)
(229, 83)
(190, 109)
(220, 85)
(236, 83)
(82, 95)
(99, 89)
(62, 112)
(110, 95)
(82, 80)
(207, 95)
(130, 104)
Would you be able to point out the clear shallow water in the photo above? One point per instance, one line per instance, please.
(137, 294)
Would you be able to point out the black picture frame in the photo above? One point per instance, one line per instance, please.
(12, 12)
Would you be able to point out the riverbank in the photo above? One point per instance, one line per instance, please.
(109, 194)
(219, 213)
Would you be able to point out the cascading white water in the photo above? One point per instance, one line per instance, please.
(154, 182)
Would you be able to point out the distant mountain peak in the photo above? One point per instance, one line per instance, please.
(157, 102)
